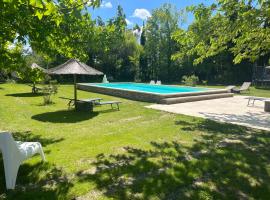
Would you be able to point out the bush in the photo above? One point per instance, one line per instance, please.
(48, 91)
(10, 80)
(204, 82)
(190, 80)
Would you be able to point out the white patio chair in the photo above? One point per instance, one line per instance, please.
(158, 83)
(14, 153)
(152, 82)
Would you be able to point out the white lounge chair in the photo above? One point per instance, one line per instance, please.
(14, 153)
(230, 88)
(152, 82)
(244, 87)
(158, 83)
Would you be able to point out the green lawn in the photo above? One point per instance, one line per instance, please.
(134, 153)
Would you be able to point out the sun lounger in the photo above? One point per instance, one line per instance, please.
(100, 103)
(229, 88)
(152, 82)
(244, 87)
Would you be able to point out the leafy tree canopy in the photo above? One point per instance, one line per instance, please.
(159, 46)
(48, 26)
(238, 26)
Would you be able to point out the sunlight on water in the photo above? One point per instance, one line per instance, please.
(160, 89)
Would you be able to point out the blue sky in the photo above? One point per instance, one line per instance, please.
(137, 10)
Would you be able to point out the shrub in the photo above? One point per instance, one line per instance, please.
(204, 82)
(48, 91)
(10, 80)
(190, 80)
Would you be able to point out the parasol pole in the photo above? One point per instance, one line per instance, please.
(75, 90)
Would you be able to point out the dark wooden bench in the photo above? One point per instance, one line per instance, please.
(95, 101)
(71, 101)
(100, 103)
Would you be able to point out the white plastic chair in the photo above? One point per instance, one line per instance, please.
(14, 153)
(158, 83)
(152, 82)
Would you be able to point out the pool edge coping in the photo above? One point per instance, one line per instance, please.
(171, 95)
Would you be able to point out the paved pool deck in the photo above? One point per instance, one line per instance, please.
(231, 110)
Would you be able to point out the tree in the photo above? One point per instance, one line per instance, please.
(115, 51)
(46, 25)
(144, 76)
(159, 46)
(237, 26)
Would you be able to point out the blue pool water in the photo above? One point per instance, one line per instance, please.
(159, 89)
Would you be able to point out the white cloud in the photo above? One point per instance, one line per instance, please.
(129, 23)
(141, 13)
(106, 4)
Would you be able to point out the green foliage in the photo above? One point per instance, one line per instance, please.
(48, 26)
(27, 74)
(12, 59)
(190, 80)
(238, 27)
(159, 46)
(48, 91)
(115, 50)
(220, 45)
(135, 51)
(204, 82)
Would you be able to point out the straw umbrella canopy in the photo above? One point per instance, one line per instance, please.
(74, 67)
(36, 66)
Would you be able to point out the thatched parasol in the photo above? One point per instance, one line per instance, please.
(74, 67)
(36, 66)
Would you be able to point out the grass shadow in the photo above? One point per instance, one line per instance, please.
(38, 181)
(28, 94)
(27, 136)
(43, 104)
(211, 126)
(64, 116)
(259, 119)
(227, 162)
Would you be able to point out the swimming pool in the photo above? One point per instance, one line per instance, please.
(165, 94)
(157, 89)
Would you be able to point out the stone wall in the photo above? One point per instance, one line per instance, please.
(142, 96)
(133, 95)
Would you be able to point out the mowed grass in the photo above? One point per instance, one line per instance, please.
(134, 153)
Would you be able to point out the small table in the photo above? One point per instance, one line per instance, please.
(267, 106)
(251, 100)
(84, 106)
